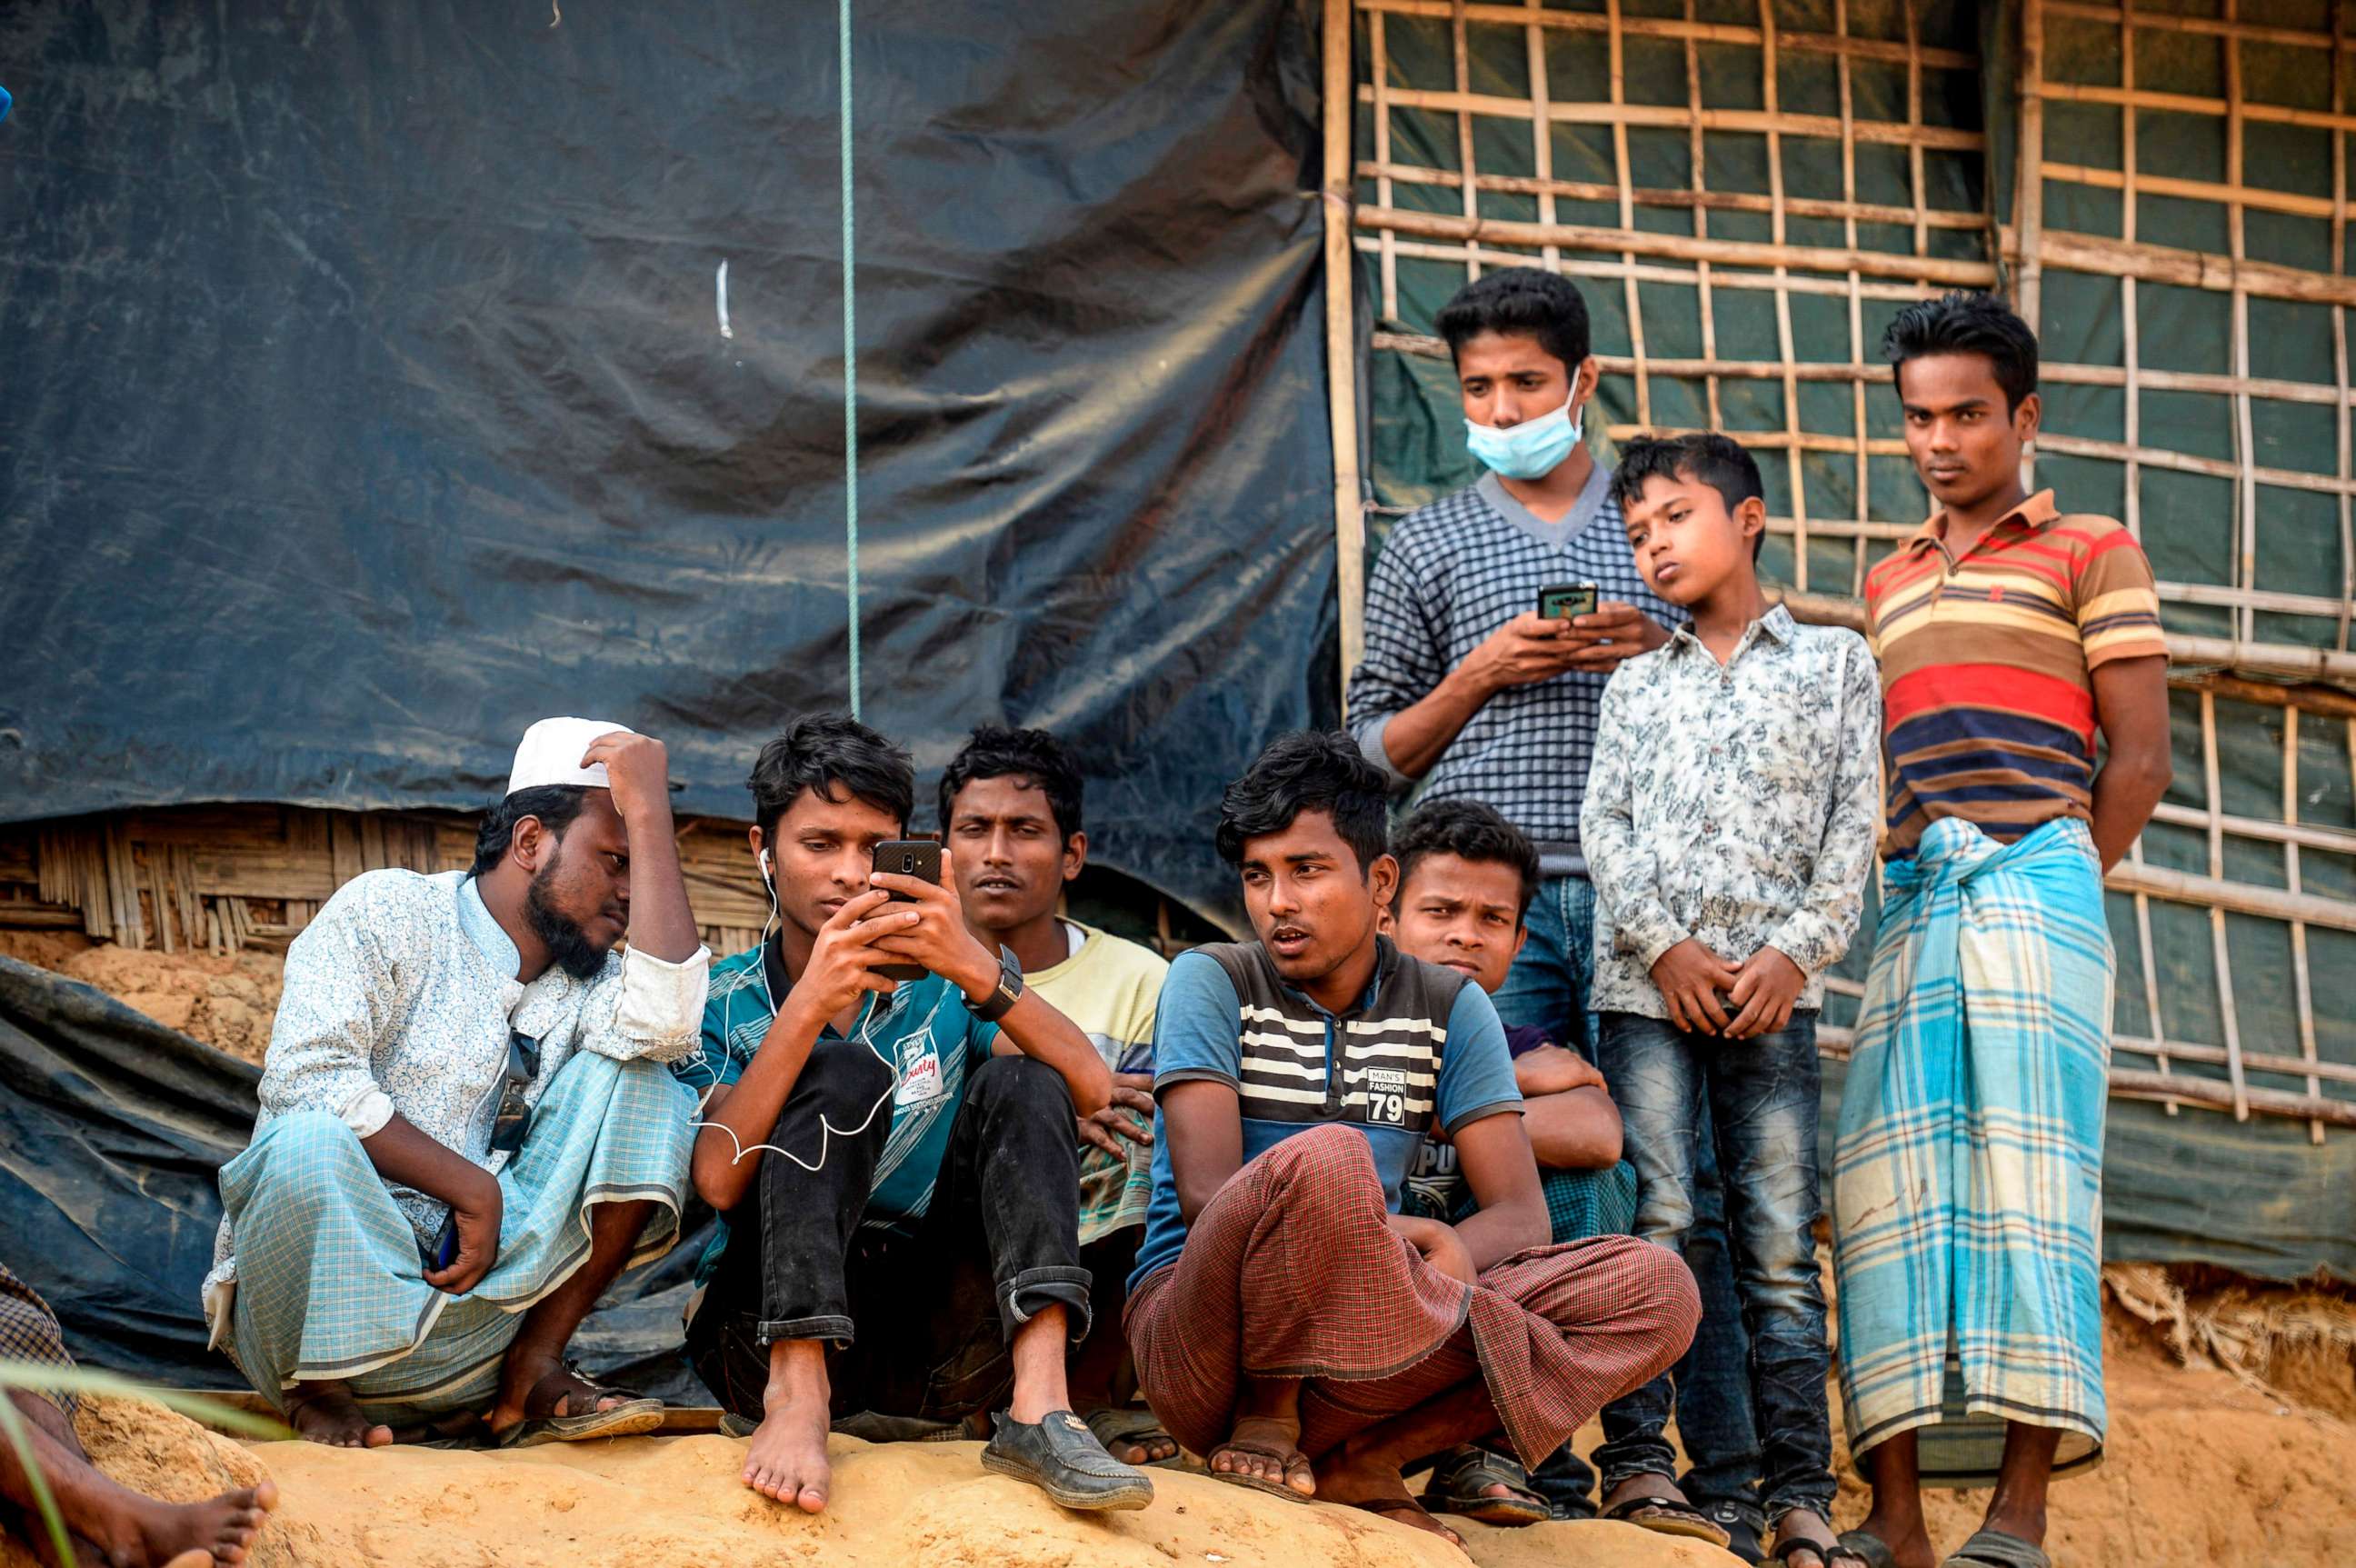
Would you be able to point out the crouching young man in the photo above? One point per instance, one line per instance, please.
(467, 1129)
(894, 1162)
(1288, 1322)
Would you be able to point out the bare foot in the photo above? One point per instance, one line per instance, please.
(122, 1528)
(327, 1412)
(787, 1458)
(1144, 1448)
(534, 1387)
(1356, 1481)
(1267, 1449)
(1910, 1545)
(1817, 1548)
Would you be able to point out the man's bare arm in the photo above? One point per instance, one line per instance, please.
(1203, 1123)
(638, 770)
(2131, 707)
(1575, 1130)
(1494, 1153)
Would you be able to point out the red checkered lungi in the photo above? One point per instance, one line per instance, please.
(1292, 1271)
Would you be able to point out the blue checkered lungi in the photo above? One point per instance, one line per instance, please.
(330, 1279)
(1967, 1182)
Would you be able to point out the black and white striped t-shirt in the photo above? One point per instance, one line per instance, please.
(1451, 574)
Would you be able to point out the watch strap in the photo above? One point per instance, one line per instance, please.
(1008, 992)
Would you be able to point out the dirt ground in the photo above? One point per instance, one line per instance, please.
(2201, 1469)
(226, 1002)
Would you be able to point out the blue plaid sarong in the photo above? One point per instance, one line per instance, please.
(1967, 1178)
(1581, 1205)
(329, 1280)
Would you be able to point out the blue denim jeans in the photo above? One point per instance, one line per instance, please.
(1761, 1097)
(1713, 1379)
(1548, 984)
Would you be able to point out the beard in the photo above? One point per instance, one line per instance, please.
(569, 947)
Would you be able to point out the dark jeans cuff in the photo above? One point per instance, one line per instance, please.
(1023, 1298)
(1816, 1499)
(769, 1331)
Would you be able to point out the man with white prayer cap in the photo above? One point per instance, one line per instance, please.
(469, 1126)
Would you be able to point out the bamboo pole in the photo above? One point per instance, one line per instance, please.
(1546, 186)
(1682, 247)
(1340, 345)
(1753, 121)
(2188, 269)
(1687, 30)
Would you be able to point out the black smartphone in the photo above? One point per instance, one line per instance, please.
(1567, 601)
(444, 1250)
(908, 857)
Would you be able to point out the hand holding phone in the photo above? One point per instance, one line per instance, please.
(919, 858)
(1568, 601)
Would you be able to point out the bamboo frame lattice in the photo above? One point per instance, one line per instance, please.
(2218, 419)
(1746, 189)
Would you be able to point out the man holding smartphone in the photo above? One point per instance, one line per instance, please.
(893, 1160)
(1467, 687)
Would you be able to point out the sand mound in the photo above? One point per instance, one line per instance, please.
(226, 1000)
(2201, 1469)
(676, 1503)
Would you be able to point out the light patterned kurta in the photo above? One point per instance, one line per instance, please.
(401, 997)
(1735, 804)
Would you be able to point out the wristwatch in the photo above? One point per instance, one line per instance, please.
(1009, 991)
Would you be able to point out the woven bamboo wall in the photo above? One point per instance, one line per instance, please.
(224, 878)
(1748, 190)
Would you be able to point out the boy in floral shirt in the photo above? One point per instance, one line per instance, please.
(1729, 823)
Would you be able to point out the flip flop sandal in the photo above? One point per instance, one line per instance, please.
(638, 1415)
(1406, 1511)
(1831, 1555)
(1667, 1515)
(1868, 1549)
(1286, 1458)
(1996, 1548)
(1457, 1486)
(1132, 1424)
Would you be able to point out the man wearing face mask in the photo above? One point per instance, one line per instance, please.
(1467, 690)
(1464, 688)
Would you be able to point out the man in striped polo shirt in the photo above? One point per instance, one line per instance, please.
(1967, 1182)
(1289, 1323)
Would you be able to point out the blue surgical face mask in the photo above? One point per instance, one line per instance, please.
(1530, 450)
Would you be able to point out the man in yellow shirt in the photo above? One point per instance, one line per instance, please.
(1011, 804)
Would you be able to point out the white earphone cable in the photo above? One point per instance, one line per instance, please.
(827, 1130)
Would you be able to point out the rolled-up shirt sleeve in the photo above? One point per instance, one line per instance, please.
(340, 989)
(656, 1009)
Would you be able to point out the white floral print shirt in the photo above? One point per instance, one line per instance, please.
(401, 997)
(1737, 804)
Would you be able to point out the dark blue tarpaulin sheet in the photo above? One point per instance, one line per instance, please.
(366, 392)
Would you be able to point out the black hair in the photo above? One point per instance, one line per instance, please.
(554, 804)
(1966, 323)
(1469, 830)
(1309, 770)
(1705, 456)
(996, 751)
(824, 750)
(1529, 301)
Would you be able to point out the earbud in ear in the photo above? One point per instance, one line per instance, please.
(765, 863)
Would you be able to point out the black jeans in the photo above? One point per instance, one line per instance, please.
(917, 1319)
